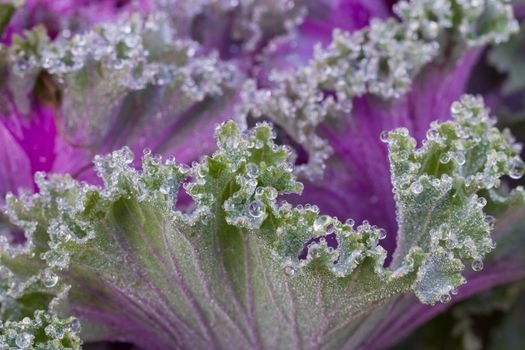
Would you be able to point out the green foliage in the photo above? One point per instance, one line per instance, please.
(243, 266)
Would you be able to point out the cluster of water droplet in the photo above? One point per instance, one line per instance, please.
(486, 21)
(356, 245)
(296, 105)
(158, 182)
(117, 45)
(374, 60)
(381, 59)
(52, 333)
(428, 19)
(436, 188)
(97, 69)
(477, 129)
(439, 276)
(469, 245)
(160, 178)
(252, 170)
(425, 18)
(471, 140)
(246, 207)
(252, 21)
(67, 212)
(303, 236)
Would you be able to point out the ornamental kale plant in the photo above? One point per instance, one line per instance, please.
(261, 174)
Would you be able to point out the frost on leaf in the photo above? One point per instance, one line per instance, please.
(243, 267)
(139, 57)
(41, 331)
(381, 59)
(438, 191)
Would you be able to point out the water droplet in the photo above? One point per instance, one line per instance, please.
(231, 143)
(201, 171)
(477, 265)
(320, 222)
(432, 134)
(445, 298)
(350, 222)
(454, 291)
(460, 158)
(24, 340)
(330, 229)
(251, 170)
(518, 168)
(416, 187)
(49, 278)
(482, 202)
(51, 330)
(444, 158)
(75, 326)
(272, 193)
(384, 136)
(456, 108)
(290, 271)
(382, 233)
(432, 29)
(254, 209)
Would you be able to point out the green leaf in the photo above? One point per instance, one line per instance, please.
(437, 191)
(40, 332)
(99, 80)
(381, 59)
(244, 267)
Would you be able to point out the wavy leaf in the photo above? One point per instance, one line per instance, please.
(243, 267)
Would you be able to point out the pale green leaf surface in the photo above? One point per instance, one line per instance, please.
(436, 190)
(233, 272)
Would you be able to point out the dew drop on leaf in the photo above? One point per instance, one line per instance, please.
(416, 188)
(456, 107)
(384, 136)
(24, 340)
(75, 326)
(445, 298)
(482, 202)
(444, 158)
(252, 170)
(49, 278)
(460, 158)
(489, 219)
(320, 222)
(254, 209)
(477, 265)
(518, 168)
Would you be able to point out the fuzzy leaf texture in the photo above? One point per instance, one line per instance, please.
(244, 269)
(381, 59)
